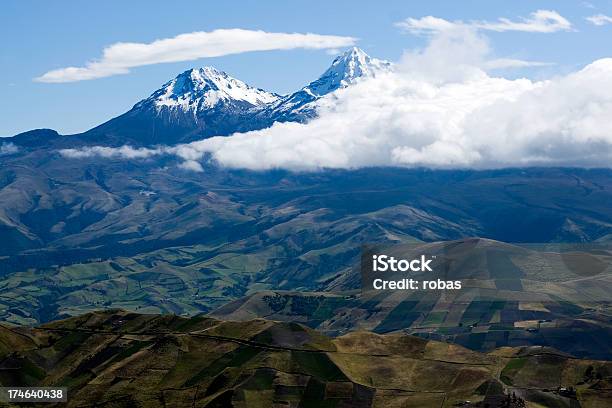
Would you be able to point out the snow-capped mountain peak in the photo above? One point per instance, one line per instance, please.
(346, 69)
(202, 88)
(206, 102)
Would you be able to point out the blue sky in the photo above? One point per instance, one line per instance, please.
(40, 36)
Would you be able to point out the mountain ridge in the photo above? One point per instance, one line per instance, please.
(205, 102)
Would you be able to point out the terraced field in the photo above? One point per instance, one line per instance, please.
(123, 359)
(584, 331)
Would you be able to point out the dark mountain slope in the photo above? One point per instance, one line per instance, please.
(198, 103)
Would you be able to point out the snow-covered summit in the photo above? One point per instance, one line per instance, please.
(346, 69)
(206, 102)
(204, 88)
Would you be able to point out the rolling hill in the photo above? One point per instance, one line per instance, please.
(121, 359)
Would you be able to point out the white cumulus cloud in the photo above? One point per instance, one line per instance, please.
(127, 152)
(191, 165)
(599, 19)
(120, 57)
(8, 148)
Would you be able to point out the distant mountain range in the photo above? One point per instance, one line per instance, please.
(205, 102)
(83, 234)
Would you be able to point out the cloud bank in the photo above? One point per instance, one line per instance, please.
(393, 120)
(120, 57)
(439, 108)
(483, 122)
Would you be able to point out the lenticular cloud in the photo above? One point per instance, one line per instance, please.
(404, 119)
